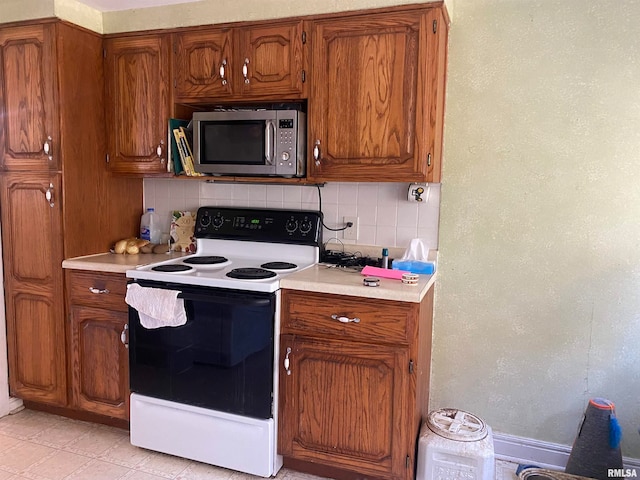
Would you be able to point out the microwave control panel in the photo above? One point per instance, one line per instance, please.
(290, 142)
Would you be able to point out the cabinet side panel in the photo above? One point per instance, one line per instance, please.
(425, 336)
(99, 209)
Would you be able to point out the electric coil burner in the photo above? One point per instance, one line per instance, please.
(173, 268)
(251, 273)
(208, 260)
(190, 396)
(279, 266)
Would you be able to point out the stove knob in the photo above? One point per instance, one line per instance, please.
(218, 221)
(291, 225)
(205, 220)
(305, 226)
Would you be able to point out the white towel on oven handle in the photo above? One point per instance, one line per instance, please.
(157, 307)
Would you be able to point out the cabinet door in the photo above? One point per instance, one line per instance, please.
(29, 128)
(346, 405)
(137, 103)
(271, 60)
(368, 84)
(32, 251)
(203, 65)
(99, 361)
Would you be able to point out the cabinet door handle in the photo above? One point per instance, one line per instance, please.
(286, 361)
(160, 148)
(98, 290)
(316, 152)
(222, 71)
(49, 195)
(343, 319)
(123, 335)
(48, 150)
(245, 70)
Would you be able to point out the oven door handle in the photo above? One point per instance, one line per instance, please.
(232, 300)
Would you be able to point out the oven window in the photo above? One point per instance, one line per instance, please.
(232, 142)
(221, 359)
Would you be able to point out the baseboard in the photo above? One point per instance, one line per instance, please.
(528, 451)
(11, 405)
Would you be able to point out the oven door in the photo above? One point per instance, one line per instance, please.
(221, 359)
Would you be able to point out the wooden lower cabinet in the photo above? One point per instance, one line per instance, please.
(351, 400)
(98, 355)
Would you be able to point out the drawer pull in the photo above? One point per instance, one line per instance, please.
(98, 290)
(343, 319)
(286, 361)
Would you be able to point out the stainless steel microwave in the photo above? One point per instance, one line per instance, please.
(250, 142)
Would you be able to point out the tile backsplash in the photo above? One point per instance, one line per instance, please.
(386, 217)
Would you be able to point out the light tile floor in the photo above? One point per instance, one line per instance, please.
(40, 446)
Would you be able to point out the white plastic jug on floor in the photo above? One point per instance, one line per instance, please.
(455, 444)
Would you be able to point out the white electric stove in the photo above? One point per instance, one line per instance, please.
(207, 389)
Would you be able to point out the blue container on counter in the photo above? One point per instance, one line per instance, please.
(414, 266)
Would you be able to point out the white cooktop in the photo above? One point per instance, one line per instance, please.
(240, 254)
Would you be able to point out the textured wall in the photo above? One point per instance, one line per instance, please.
(221, 11)
(538, 299)
(198, 12)
(17, 10)
(79, 14)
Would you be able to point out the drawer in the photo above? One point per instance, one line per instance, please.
(326, 315)
(97, 289)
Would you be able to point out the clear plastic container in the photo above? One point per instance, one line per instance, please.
(414, 266)
(150, 226)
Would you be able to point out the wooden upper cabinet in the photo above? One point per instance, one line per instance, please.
(253, 62)
(137, 103)
(273, 59)
(29, 137)
(202, 67)
(373, 110)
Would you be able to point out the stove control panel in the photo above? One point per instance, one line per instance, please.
(302, 227)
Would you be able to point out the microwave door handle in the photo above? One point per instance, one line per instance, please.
(269, 142)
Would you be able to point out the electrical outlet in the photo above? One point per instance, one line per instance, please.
(350, 233)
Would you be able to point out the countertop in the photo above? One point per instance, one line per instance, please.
(321, 278)
(330, 279)
(115, 262)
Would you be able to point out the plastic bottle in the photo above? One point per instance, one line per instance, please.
(150, 226)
